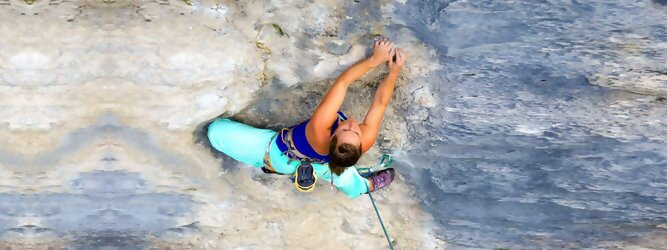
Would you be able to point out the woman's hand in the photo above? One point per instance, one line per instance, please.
(398, 60)
(383, 49)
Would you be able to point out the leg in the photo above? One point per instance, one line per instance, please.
(352, 183)
(349, 182)
(239, 141)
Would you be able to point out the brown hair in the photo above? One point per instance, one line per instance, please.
(342, 156)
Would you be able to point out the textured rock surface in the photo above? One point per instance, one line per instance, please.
(520, 124)
(102, 102)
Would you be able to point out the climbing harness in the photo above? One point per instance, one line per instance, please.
(292, 152)
(304, 178)
(268, 168)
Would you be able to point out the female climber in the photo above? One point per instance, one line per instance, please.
(328, 144)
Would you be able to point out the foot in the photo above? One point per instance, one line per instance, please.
(383, 50)
(382, 178)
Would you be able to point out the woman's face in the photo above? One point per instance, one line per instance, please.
(348, 132)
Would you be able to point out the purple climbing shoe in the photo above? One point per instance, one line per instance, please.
(383, 178)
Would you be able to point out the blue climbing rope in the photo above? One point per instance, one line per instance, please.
(386, 235)
(385, 161)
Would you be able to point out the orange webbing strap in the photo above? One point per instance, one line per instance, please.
(267, 157)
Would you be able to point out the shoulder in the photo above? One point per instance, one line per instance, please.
(318, 138)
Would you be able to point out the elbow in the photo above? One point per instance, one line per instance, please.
(341, 82)
(382, 102)
(382, 99)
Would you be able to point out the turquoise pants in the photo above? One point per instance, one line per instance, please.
(248, 145)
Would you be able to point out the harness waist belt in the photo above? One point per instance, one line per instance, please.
(268, 168)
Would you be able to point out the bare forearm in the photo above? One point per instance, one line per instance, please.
(386, 89)
(357, 70)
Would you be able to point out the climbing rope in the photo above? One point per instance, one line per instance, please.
(385, 161)
(380, 219)
(386, 235)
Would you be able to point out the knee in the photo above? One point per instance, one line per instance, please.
(211, 129)
(215, 133)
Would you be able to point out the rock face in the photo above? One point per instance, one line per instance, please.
(515, 124)
(102, 105)
(632, 65)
